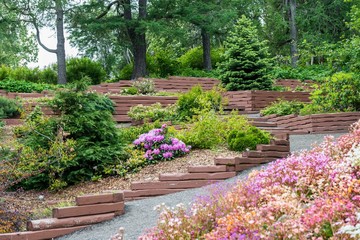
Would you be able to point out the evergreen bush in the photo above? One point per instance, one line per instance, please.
(246, 59)
(78, 68)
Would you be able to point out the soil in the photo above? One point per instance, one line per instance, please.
(38, 204)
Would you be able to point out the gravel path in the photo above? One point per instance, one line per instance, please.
(140, 215)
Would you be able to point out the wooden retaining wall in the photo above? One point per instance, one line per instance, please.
(292, 84)
(256, 100)
(89, 209)
(172, 84)
(124, 103)
(316, 123)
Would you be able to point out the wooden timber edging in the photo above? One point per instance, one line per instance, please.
(292, 84)
(89, 209)
(92, 209)
(316, 123)
(255, 100)
(172, 84)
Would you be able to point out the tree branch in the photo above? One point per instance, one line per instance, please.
(107, 9)
(39, 40)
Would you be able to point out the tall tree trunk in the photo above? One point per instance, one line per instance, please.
(60, 47)
(293, 33)
(205, 36)
(137, 38)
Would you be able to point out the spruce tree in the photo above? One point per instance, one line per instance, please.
(246, 59)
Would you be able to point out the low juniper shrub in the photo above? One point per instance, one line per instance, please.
(159, 147)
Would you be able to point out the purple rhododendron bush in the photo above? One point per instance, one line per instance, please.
(310, 195)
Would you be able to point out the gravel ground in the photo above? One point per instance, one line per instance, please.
(140, 215)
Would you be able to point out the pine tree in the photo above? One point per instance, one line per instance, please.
(247, 60)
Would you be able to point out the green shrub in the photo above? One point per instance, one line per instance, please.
(10, 85)
(190, 72)
(153, 112)
(313, 72)
(194, 58)
(144, 86)
(126, 72)
(48, 75)
(246, 59)
(241, 140)
(4, 72)
(196, 100)
(206, 132)
(9, 108)
(77, 68)
(310, 108)
(85, 135)
(162, 64)
(210, 130)
(129, 134)
(129, 91)
(340, 92)
(283, 107)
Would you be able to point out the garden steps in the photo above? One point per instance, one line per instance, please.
(89, 209)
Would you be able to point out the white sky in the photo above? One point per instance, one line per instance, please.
(45, 58)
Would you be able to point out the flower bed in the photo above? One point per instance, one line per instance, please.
(310, 195)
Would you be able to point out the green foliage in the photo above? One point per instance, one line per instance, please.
(206, 132)
(125, 72)
(129, 91)
(209, 131)
(77, 68)
(4, 72)
(34, 75)
(9, 108)
(24, 86)
(310, 108)
(190, 72)
(194, 58)
(153, 112)
(313, 72)
(241, 140)
(196, 100)
(162, 64)
(283, 107)
(246, 61)
(144, 86)
(340, 92)
(129, 134)
(85, 138)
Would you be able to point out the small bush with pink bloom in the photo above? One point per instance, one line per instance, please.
(310, 195)
(157, 146)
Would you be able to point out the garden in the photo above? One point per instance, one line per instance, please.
(84, 134)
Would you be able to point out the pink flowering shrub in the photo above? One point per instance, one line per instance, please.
(310, 195)
(158, 147)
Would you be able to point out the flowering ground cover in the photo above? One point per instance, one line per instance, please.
(310, 195)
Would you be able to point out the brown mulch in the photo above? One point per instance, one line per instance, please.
(37, 204)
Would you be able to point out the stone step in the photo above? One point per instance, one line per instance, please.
(51, 223)
(85, 210)
(195, 176)
(171, 184)
(206, 169)
(100, 198)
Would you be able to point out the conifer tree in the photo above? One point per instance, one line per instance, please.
(247, 60)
